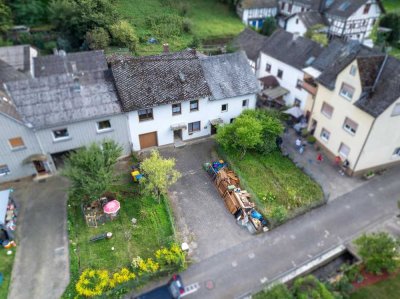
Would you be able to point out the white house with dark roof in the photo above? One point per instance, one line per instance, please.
(176, 97)
(253, 12)
(301, 22)
(284, 56)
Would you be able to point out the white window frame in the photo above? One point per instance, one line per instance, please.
(322, 110)
(268, 67)
(6, 168)
(344, 155)
(222, 107)
(104, 129)
(180, 109)
(353, 70)
(323, 134)
(245, 103)
(192, 130)
(346, 95)
(190, 105)
(348, 128)
(23, 146)
(55, 138)
(396, 153)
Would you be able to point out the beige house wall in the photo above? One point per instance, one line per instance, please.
(342, 108)
(382, 142)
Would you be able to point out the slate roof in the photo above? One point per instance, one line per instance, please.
(70, 63)
(312, 18)
(51, 101)
(246, 4)
(297, 53)
(387, 89)
(251, 42)
(368, 69)
(229, 75)
(337, 56)
(149, 81)
(8, 73)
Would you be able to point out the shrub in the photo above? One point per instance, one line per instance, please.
(92, 282)
(120, 277)
(311, 139)
(172, 256)
(123, 34)
(165, 25)
(145, 266)
(310, 287)
(279, 291)
(187, 25)
(97, 38)
(269, 26)
(379, 252)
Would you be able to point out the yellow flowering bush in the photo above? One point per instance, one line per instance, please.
(92, 282)
(120, 277)
(145, 266)
(172, 256)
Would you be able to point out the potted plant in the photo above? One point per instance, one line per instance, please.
(311, 139)
(304, 133)
(369, 175)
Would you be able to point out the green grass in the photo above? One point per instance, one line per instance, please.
(387, 289)
(391, 5)
(210, 20)
(6, 264)
(276, 182)
(154, 230)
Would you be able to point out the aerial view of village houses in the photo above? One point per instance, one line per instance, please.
(200, 149)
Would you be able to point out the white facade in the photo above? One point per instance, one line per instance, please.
(359, 25)
(296, 25)
(255, 16)
(290, 79)
(208, 110)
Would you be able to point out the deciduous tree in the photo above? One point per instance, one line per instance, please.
(159, 174)
(310, 287)
(90, 170)
(379, 252)
(97, 39)
(317, 34)
(123, 34)
(269, 26)
(5, 17)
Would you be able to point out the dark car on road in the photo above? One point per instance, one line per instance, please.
(172, 290)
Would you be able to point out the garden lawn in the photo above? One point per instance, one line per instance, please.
(6, 264)
(154, 230)
(281, 188)
(391, 5)
(387, 289)
(209, 19)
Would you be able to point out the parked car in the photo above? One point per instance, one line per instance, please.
(172, 290)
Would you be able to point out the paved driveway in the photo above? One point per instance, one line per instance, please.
(41, 267)
(200, 213)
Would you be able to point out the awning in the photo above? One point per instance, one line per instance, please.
(36, 157)
(294, 111)
(216, 121)
(276, 92)
(178, 126)
(4, 198)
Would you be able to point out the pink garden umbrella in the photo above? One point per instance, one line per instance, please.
(111, 207)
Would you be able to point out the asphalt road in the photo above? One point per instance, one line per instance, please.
(41, 266)
(250, 265)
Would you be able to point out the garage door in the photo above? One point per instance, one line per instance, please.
(148, 140)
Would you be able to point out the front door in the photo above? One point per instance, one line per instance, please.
(313, 126)
(39, 166)
(213, 129)
(178, 135)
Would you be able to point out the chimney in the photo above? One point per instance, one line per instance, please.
(295, 36)
(166, 48)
